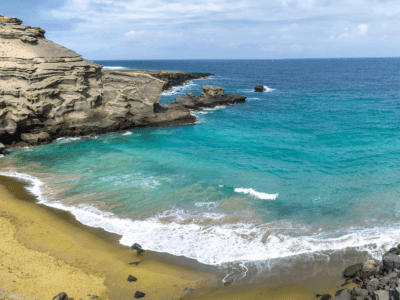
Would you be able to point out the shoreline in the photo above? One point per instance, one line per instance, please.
(163, 275)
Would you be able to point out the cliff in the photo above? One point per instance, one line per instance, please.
(48, 91)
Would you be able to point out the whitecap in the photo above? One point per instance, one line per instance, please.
(259, 195)
(186, 234)
(268, 89)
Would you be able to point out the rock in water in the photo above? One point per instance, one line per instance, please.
(139, 294)
(2, 148)
(259, 88)
(61, 296)
(48, 91)
(211, 96)
(131, 278)
(138, 248)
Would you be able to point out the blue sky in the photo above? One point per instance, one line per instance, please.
(220, 29)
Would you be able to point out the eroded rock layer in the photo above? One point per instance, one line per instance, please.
(48, 91)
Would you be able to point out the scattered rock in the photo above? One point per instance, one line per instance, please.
(131, 278)
(61, 296)
(362, 270)
(134, 263)
(259, 88)
(358, 292)
(139, 294)
(372, 285)
(326, 297)
(344, 294)
(381, 295)
(138, 248)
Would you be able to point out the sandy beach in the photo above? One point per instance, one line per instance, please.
(45, 251)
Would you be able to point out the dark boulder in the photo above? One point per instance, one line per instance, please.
(391, 261)
(363, 270)
(134, 263)
(344, 294)
(259, 89)
(131, 278)
(61, 296)
(353, 270)
(138, 248)
(326, 297)
(394, 250)
(139, 294)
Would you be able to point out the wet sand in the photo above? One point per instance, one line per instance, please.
(45, 251)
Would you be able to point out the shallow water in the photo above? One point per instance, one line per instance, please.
(309, 166)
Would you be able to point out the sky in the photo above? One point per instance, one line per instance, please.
(219, 29)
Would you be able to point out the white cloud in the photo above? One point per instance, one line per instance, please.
(362, 29)
(133, 34)
(206, 28)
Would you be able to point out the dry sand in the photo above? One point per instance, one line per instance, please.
(44, 251)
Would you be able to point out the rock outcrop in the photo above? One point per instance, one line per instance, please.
(259, 88)
(173, 78)
(48, 91)
(211, 96)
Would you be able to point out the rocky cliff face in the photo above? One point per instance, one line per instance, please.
(48, 91)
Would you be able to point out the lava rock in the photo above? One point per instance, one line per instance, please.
(138, 248)
(61, 296)
(344, 294)
(358, 292)
(394, 250)
(372, 285)
(391, 261)
(131, 278)
(381, 295)
(258, 89)
(353, 270)
(139, 294)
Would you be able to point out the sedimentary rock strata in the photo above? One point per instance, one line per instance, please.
(173, 78)
(48, 91)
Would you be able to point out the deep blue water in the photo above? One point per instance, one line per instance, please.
(319, 152)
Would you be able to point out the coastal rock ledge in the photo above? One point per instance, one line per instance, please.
(48, 91)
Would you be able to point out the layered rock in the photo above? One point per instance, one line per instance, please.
(48, 91)
(174, 78)
(211, 96)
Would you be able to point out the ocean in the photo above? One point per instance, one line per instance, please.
(309, 167)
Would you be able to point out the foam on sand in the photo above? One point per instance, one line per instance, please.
(184, 233)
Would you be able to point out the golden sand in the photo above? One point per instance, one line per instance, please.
(44, 251)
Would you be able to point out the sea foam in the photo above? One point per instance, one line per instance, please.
(259, 195)
(185, 234)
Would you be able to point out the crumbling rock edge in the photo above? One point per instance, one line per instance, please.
(48, 91)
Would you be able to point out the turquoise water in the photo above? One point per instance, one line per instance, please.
(310, 165)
